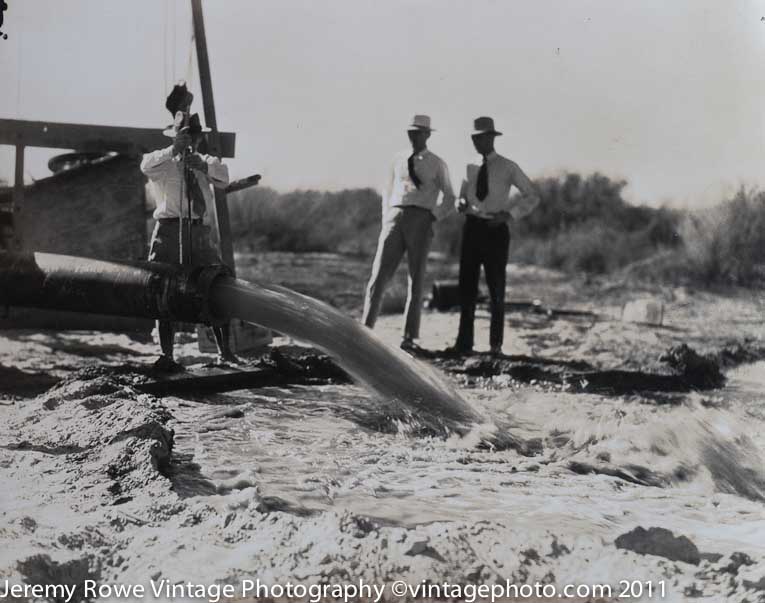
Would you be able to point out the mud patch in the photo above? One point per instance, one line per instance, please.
(686, 371)
(635, 474)
(660, 542)
(17, 383)
(42, 570)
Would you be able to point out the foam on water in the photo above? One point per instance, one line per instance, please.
(335, 447)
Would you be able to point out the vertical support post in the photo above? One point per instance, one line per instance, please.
(205, 80)
(18, 193)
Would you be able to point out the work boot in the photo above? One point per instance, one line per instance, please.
(458, 350)
(165, 364)
(496, 350)
(408, 345)
(228, 359)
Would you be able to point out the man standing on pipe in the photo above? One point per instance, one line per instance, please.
(180, 178)
(410, 206)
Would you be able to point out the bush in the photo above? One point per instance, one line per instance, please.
(726, 243)
(344, 222)
(582, 224)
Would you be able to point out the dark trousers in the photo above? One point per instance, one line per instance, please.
(487, 246)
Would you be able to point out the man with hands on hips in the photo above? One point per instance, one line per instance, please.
(485, 200)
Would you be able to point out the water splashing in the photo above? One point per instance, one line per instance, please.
(397, 378)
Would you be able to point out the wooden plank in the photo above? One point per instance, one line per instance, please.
(18, 192)
(208, 102)
(213, 380)
(86, 137)
(203, 61)
(243, 183)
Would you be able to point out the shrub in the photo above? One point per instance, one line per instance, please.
(726, 243)
(346, 222)
(584, 224)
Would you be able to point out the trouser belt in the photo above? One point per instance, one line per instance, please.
(194, 221)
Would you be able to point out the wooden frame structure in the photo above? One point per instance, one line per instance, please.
(85, 137)
(131, 141)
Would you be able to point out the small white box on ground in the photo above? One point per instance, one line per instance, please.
(245, 337)
(646, 311)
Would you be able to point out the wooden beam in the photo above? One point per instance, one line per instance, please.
(203, 61)
(208, 102)
(84, 137)
(18, 193)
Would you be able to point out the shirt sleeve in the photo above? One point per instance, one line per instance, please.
(446, 204)
(529, 198)
(152, 163)
(217, 172)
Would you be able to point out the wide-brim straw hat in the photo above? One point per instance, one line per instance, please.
(420, 122)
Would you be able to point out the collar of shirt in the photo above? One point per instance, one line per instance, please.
(498, 175)
(404, 191)
(490, 157)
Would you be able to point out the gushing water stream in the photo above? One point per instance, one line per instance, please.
(393, 375)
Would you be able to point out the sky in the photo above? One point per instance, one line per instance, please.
(665, 95)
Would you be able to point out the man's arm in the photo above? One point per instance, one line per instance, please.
(212, 167)
(529, 198)
(153, 163)
(388, 190)
(446, 204)
(217, 172)
(461, 204)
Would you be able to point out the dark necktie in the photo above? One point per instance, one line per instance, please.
(410, 164)
(198, 203)
(482, 183)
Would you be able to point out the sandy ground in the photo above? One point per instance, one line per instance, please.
(317, 485)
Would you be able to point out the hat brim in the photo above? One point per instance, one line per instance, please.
(495, 132)
(419, 129)
(170, 131)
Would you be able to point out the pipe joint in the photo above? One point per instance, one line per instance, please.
(187, 296)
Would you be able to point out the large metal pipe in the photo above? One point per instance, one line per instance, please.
(204, 294)
(139, 289)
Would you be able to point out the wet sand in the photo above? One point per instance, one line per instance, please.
(324, 483)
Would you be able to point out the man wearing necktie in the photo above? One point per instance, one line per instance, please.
(177, 174)
(410, 205)
(485, 199)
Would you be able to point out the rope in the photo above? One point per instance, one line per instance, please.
(19, 65)
(175, 27)
(189, 64)
(164, 48)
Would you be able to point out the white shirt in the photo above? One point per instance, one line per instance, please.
(502, 174)
(165, 174)
(434, 180)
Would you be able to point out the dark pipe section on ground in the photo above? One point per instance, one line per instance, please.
(139, 289)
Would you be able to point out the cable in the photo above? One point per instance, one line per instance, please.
(175, 75)
(164, 47)
(20, 64)
(192, 46)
